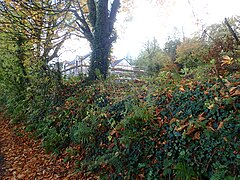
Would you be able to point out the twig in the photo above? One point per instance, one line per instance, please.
(210, 159)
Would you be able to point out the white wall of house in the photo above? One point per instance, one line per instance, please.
(76, 67)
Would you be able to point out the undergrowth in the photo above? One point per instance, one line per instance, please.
(161, 128)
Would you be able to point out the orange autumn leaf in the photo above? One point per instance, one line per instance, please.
(220, 125)
(182, 89)
(111, 145)
(158, 110)
(191, 130)
(206, 92)
(169, 95)
(113, 132)
(210, 128)
(181, 127)
(233, 89)
(196, 136)
(201, 118)
(236, 93)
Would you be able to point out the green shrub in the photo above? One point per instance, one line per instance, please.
(180, 133)
(162, 128)
(191, 53)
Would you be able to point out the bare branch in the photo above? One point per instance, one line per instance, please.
(83, 26)
(232, 31)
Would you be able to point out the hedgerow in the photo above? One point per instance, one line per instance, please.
(188, 129)
(160, 128)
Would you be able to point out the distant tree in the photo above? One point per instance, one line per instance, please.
(223, 39)
(191, 52)
(221, 30)
(152, 58)
(171, 47)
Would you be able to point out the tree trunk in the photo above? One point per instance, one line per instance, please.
(103, 37)
(100, 46)
(20, 53)
(99, 60)
(98, 28)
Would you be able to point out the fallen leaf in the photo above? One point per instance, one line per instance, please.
(182, 89)
(225, 139)
(191, 130)
(226, 60)
(220, 125)
(164, 142)
(232, 90)
(196, 136)
(21, 176)
(113, 132)
(111, 145)
(210, 128)
(206, 92)
(211, 106)
(181, 127)
(158, 110)
(200, 117)
(236, 93)
(169, 95)
(227, 84)
(174, 120)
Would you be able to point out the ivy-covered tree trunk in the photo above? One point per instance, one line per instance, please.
(103, 37)
(101, 45)
(99, 59)
(20, 54)
(97, 26)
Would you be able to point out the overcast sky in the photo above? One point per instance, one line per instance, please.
(149, 21)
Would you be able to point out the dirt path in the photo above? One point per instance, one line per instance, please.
(24, 158)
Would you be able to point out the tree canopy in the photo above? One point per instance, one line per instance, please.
(152, 58)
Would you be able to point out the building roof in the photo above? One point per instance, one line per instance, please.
(114, 63)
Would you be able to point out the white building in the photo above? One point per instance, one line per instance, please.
(80, 65)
